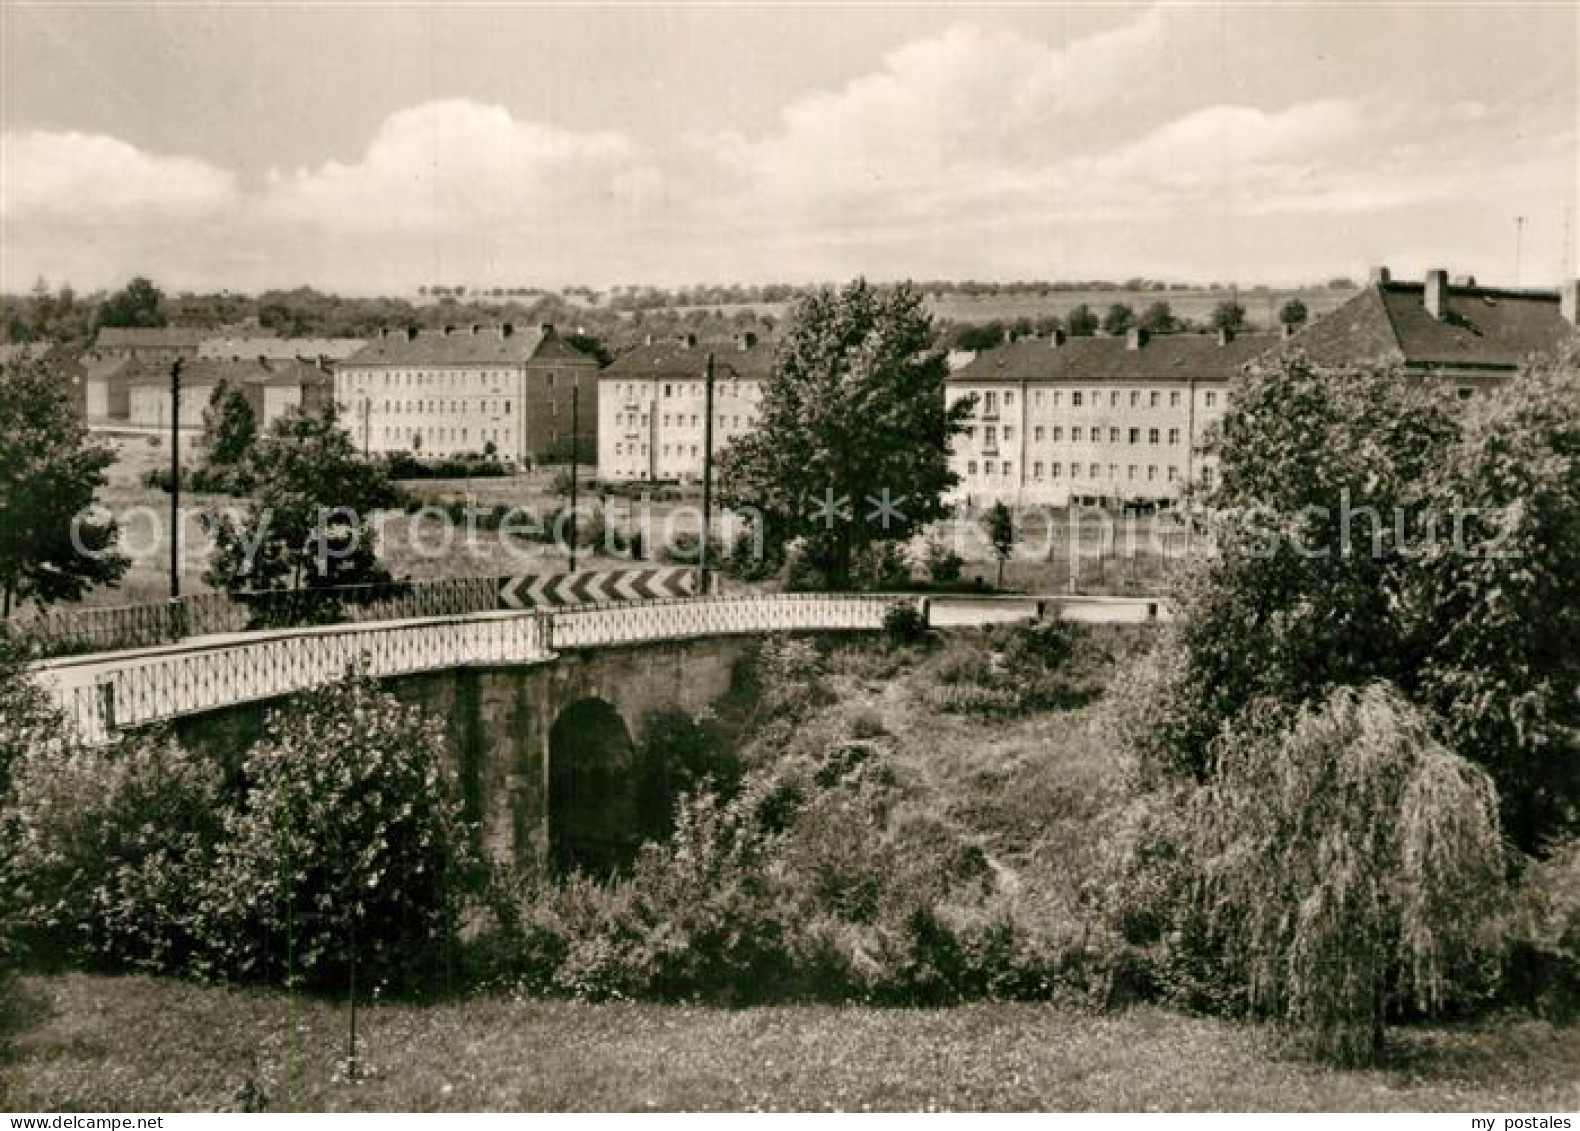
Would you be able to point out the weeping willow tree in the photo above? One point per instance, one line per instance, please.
(1347, 864)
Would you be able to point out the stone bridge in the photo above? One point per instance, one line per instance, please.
(543, 709)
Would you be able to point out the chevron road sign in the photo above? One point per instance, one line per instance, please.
(586, 587)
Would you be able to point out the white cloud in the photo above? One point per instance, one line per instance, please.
(92, 177)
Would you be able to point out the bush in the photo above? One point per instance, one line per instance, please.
(467, 465)
(350, 826)
(943, 565)
(111, 851)
(904, 624)
(1544, 963)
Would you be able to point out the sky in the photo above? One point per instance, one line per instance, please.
(372, 148)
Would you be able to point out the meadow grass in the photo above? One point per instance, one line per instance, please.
(142, 1044)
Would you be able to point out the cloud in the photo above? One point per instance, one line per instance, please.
(91, 177)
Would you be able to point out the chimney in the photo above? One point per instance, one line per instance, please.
(1135, 338)
(1569, 301)
(506, 330)
(1224, 336)
(448, 331)
(411, 333)
(1436, 294)
(1287, 330)
(476, 329)
(1381, 275)
(1056, 337)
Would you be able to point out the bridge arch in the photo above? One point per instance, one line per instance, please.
(593, 789)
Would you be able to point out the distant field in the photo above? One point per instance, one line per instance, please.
(1197, 303)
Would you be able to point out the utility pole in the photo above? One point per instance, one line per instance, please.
(367, 410)
(175, 479)
(707, 471)
(1519, 239)
(576, 388)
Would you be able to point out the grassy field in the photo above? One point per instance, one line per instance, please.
(141, 1044)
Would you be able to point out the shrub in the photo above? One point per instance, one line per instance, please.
(350, 828)
(904, 624)
(111, 849)
(1544, 964)
(943, 565)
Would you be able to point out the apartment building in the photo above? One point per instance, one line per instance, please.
(271, 388)
(652, 405)
(1115, 421)
(470, 389)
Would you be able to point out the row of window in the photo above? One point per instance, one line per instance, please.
(1078, 435)
(632, 390)
(1079, 398)
(485, 406)
(418, 378)
(395, 433)
(1056, 470)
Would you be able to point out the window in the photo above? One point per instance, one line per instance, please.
(1094, 471)
(989, 403)
(1036, 470)
(1113, 399)
(1152, 472)
(1058, 397)
(1113, 471)
(1075, 471)
(1152, 435)
(1058, 434)
(971, 431)
(1174, 398)
(1206, 476)
(1036, 398)
(1036, 433)
(1009, 433)
(1130, 472)
(1075, 433)
(1174, 473)
(1174, 435)
(669, 390)
(989, 436)
(987, 466)
(1135, 398)
(1212, 399)
(971, 467)
(1113, 435)
(1055, 470)
(1075, 398)
(1135, 435)
(1006, 469)
(1009, 398)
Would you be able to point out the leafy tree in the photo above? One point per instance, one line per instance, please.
(1159, 319)
(1228, 316)
(52, 546)
(229, 426)
(1001, 532)
(1081, 321)
(1370, 528)
(308, 527)
(1293, 313)
(1119, 319)
(852, 442)
(139, 303)
(978, 338)
(1348, 864)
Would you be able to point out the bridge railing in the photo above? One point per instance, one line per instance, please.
(591, 626)
(101, 694)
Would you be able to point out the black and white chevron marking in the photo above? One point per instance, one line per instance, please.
(589, 587)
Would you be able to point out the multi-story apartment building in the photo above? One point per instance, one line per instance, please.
(272, 388)
(470, 389)
(1466, 336)
(651, 405)
(1098, 421)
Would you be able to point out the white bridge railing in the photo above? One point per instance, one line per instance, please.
(103, 693)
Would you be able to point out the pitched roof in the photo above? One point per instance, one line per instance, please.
(1161, 357)
(206, 371)
(280, 349)
(150, 337)
(683, 358)
(1485, 328)
(465, 345)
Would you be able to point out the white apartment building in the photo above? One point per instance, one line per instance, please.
(651, 405)
(1097, 421)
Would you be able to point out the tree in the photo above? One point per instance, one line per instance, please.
(1118, 319)
(229, 426)
(308, 527)
(1001, 532)
(979, 337)
(139, 303)
(1081, 321)
(1368, 528)
(1348, 864)
(53, 545)
(1293, 313)
(1228, 316)
(1159, 319)
(852, 442)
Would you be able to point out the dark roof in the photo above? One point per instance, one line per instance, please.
(461, 345)
(1486, 328)
(680, 359)
(211, 371)
(1161, 357)
(280, 349)
(150, 337)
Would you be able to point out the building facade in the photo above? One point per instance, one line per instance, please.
(472, 389)
(271, 388)
(1111, 421)
(651, 424)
